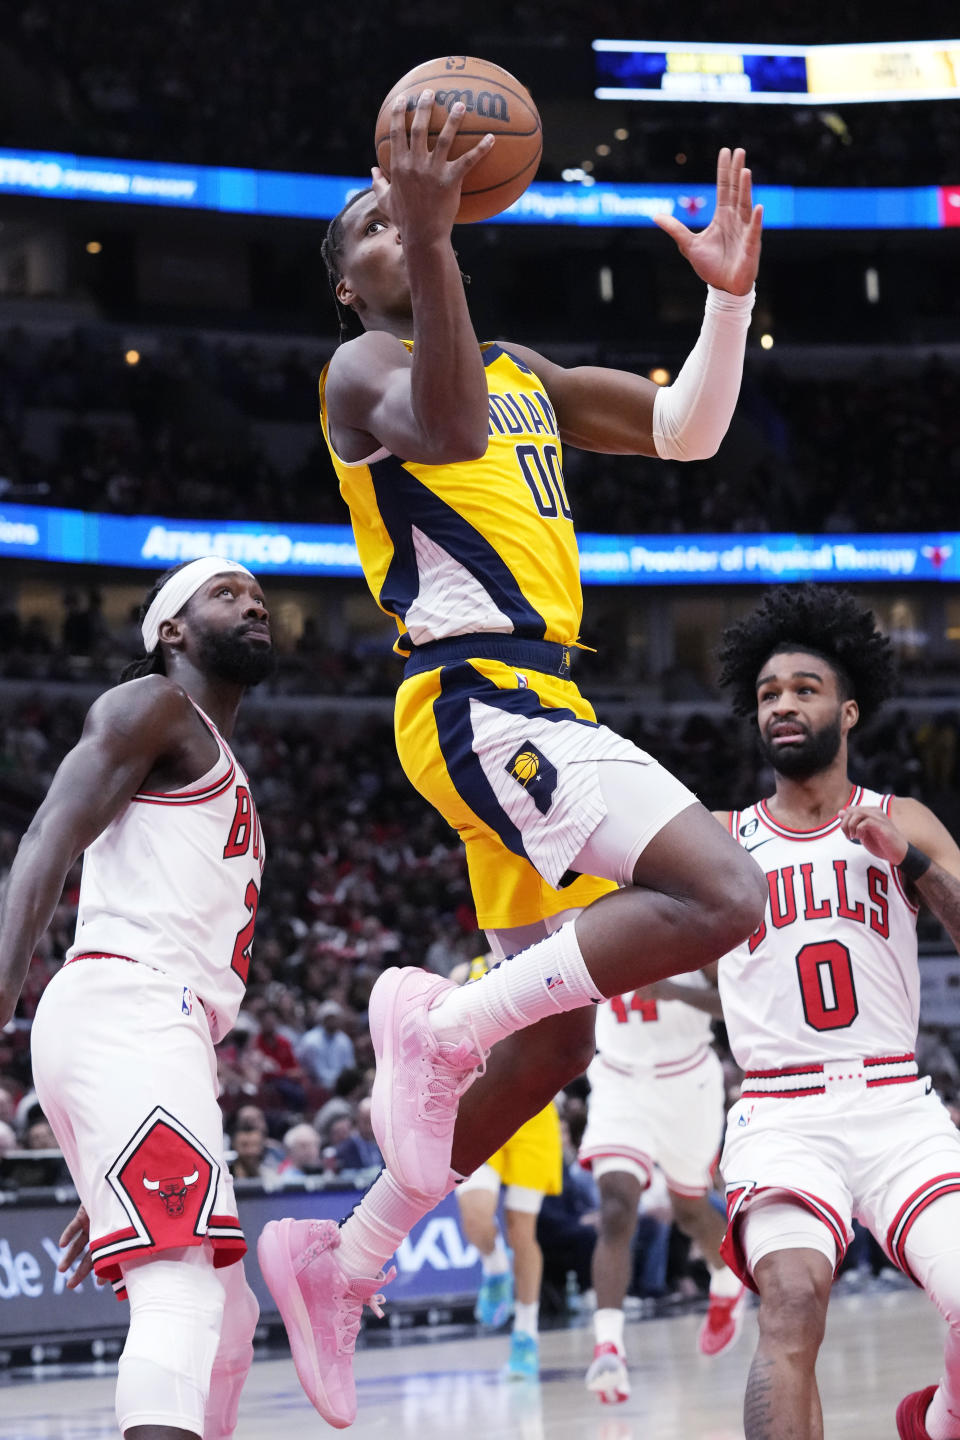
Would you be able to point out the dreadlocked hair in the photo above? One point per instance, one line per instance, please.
(820, 621)
(154, 663)
(331, 252)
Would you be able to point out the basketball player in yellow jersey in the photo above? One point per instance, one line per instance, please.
(449, 456)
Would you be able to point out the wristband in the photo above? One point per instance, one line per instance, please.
(914, 864)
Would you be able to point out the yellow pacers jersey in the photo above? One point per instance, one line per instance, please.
(484, 545)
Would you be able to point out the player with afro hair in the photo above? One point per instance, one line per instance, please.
(817, 620)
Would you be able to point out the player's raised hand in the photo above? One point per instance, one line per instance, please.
(422, 194)
(872, 828)
(727, 253)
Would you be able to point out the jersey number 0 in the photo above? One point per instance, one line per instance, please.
(826, 985)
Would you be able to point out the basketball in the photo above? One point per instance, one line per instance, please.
(496, 104)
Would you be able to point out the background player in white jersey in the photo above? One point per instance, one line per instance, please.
(656, 1099)
(821, 1006)
(123, 1037)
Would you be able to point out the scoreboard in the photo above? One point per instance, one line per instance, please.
(777, 74)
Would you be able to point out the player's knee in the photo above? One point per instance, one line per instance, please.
(793, 1306)
(176, 1314)
(688, 1211)
(737, 900)
(618, 1215)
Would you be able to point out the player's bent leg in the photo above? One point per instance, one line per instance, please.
(523, 1074)
(620, 1190)
(695, 895)
(477, 1200)
(791, 1256)
(176, 1313)
(521, 1208)
(932, 1251)
(705, 1225)
(234, 1356)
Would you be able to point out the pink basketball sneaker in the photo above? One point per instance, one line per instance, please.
(419, 1079)
(321, 1306)
(912, 1414)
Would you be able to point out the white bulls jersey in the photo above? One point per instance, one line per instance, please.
(665, 1035)
(832, 971)
(174, 882)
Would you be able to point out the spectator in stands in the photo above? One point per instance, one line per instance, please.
(249, 1146)
(302, 1152)
(251, 1117)
(279, 1066)
(8, 1138)
(327, 1049)
(359, 1150)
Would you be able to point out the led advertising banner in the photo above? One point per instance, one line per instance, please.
(435, 1264)
(318, 197)
(777, 74)
(150, 542)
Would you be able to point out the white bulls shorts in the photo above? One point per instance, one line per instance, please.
(126, 1074)
(880, 1155)
(638, 1118)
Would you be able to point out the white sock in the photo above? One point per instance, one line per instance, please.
(608, 1328)
(526, 1318)
(724, 1284)
(381, 1222)
(543, 980)
(498, 1261)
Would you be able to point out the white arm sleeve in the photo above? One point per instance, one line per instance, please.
(691, 416)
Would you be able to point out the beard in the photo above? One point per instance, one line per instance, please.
(228, 656)
(815, 752)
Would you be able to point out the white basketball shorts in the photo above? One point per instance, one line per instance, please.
(636, 1120)
(880, 1155)
(126, 1073)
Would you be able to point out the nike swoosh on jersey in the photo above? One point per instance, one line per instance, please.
(750, 848)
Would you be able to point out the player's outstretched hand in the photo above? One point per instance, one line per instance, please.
(727, 253)
(869, 826)
(74, 1242)
(422, 195)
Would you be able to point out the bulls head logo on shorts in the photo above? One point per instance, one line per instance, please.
(168, 1178)
(172, 1191)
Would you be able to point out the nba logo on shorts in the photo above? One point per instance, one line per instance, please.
(186, 1004)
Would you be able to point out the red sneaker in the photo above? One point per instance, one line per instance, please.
(723, 1323)
(912, 1414)
(607, 1376)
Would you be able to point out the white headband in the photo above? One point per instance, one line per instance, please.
(179, 589)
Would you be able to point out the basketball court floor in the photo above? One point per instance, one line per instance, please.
(434, 1384)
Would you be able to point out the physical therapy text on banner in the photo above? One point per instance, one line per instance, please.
(59, 176)
(151, 542)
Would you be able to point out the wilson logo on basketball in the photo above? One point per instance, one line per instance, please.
(488, 104)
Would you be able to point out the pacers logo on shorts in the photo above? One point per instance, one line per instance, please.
(531, 769)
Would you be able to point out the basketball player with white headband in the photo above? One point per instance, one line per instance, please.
(122, 1042)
